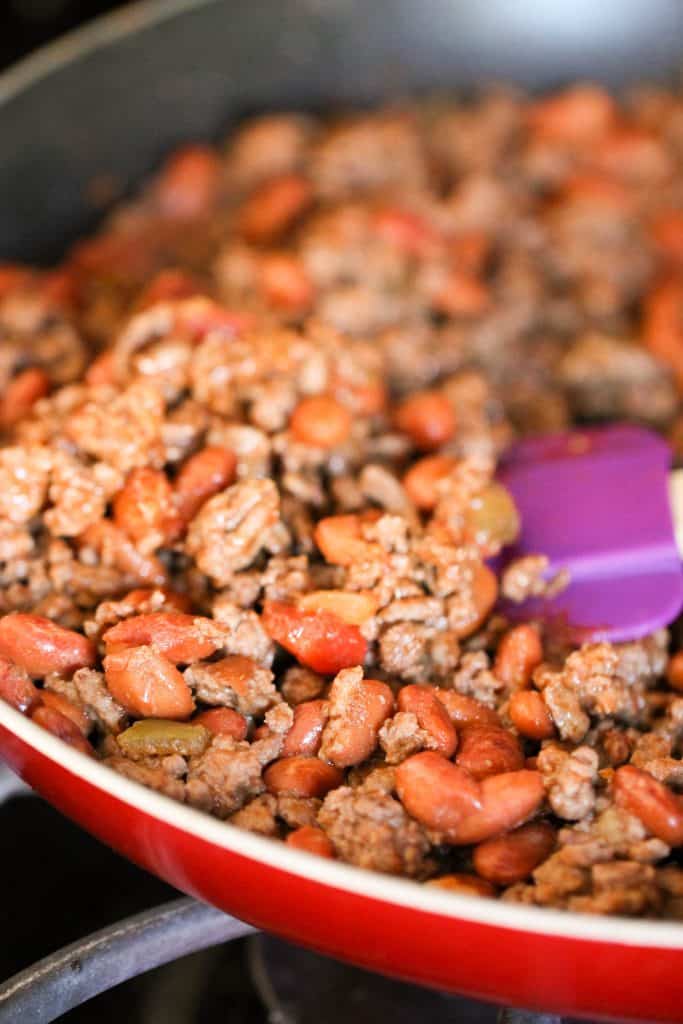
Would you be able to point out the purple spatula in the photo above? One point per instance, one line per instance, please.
(600, 503)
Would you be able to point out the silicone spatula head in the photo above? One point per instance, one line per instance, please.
(597, 502)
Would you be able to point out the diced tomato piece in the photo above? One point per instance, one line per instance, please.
(319, 640)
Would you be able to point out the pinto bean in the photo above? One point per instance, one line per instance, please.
(466, 711)
(341, 541)
(439, 794)
(660, 810)
(302, 776)
(353, 607)
(463, 884)
(223, 722)
(358, 709)
(519, 652)
(428, 419)
(511, 858)
(305, 735)
(61, 726)
(58, 702)
(431, 715)
(40, 646)
(507, 800)
(273, 207)
(204, 474)
(530, 716)
(178, 636)
(486, 750)
(144, 509)
(312, 840)
(16, 687)
(321, 421)
(422, 480)
(147, 684)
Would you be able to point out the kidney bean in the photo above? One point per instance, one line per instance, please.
(168, 285)
(576, 117)
(660, 810)
(307, 728)
(58, 702)
(62, 727)
(341, 540)
(102, 371)
(428, 419)
(284, 282)
(471, 250)
(40, 646)
(204, 474)
(463, 884)
(507, 800)
(223, 722)
(519, 652)
(354, 607)
(662, 329)
(485, 750)
(302, 776)
(16, 687)
(674, 672)
(462, 294)
(147, 684)
(13, 275)
(321, 421)
(21, 393)
(666, 232)
(312, 840)
(530, 716)
(319, 640)
(484, 594)
(466, 711)
(189, 182)
(366, 399)
(406, 230)
(178, 636)
(422, 480)
(423, 702)
(511, 858)
(363, 706)
(273, 207)
(439, 794)
(144, 508)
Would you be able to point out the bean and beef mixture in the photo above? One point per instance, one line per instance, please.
(248, 503)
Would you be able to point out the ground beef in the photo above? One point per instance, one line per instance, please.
(224, 778)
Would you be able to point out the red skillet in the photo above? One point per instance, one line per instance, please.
(111, 100)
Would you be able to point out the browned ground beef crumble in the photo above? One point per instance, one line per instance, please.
(250, 431)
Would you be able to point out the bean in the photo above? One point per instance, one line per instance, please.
(422, 480)
(485, 751)
(666, 231)
(144, 509)
(406, 230)
(21, 393)
(341, 540)
(302, 776)
(353, 607)
(511, 858)
(484, 594)
(147, 684)
(61, 726)
(319, 640)
(519, 652)
(284, 282)
(576, 117)
(305, 734)
(102, 371)
(223, 722)
(178, 636)
(204, 474)
(273, 207)
(463, 884)
(428, 419)
(168, 285)
(462, 294)
(660, 810)
(466, 711)
(530, 716)
(674, 672)
(189, 182)
(16, 687)
(436, 792)
(351, 736)
(311, 840)
(41, 646)
(507, 800)
(58, 702)
(662, 329)
(141, 596)
(321, 421)
(431, 715)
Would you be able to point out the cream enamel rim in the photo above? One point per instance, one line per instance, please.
(102, 32)
(620, 931)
